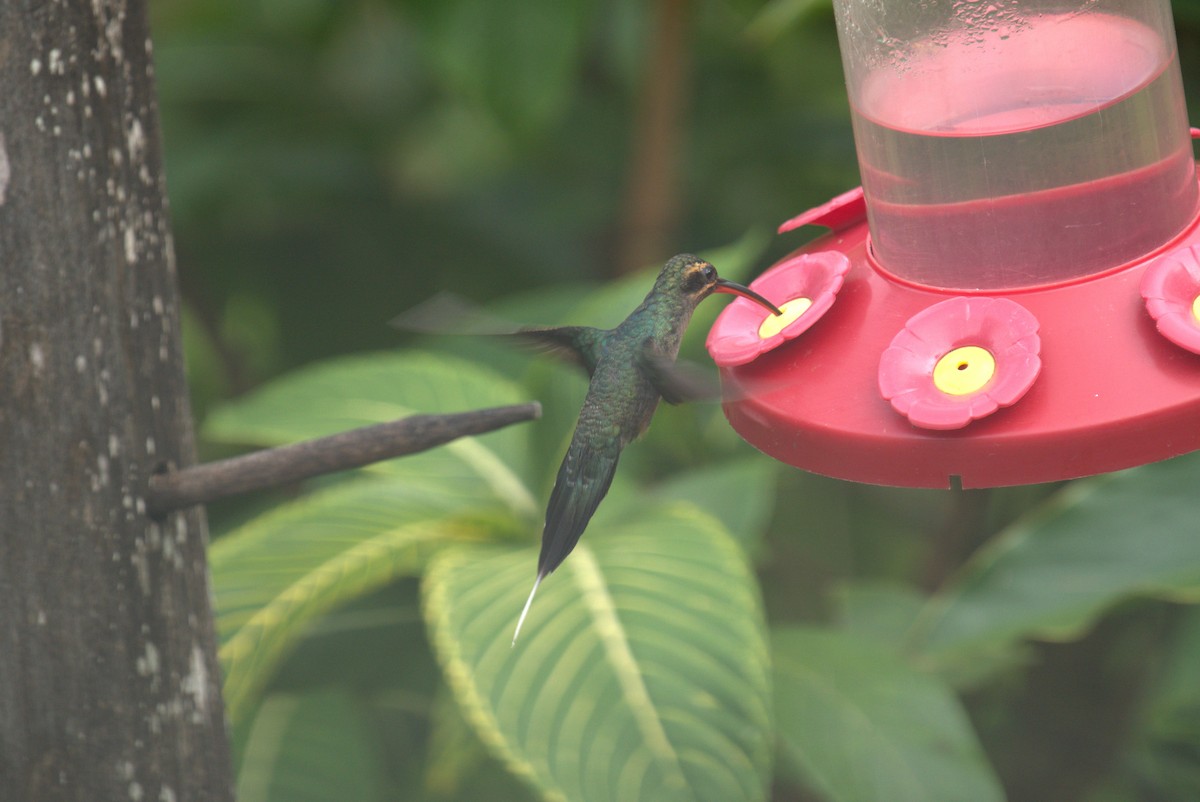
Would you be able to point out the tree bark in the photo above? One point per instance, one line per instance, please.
(109, 685)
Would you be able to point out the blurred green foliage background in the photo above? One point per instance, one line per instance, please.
(333, 162)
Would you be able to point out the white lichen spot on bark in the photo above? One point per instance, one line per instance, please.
(195, 683)
(5, 169)
(37, 357)
(130, 246)
(148, 664)
(141, 565)
(135, 140)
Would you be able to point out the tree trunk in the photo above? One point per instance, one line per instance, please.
(109, 685)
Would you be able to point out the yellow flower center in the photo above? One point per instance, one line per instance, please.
(964, 370)
(1196, 308)
(792, 310)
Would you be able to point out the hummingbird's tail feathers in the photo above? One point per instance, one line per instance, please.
(525, 610)
(583, 480)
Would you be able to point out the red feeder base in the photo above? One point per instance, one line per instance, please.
(1112, 391)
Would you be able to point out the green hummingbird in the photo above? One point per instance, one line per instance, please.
(631, 368)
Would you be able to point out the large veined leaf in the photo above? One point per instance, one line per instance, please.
(310, 748)
(459, 766)
(275, 575)
(642, 672)
(345, 393)
(1052, 574)
(857, 724)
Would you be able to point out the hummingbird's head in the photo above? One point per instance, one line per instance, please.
(695, 279)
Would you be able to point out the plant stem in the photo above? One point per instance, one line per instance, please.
(272, 467)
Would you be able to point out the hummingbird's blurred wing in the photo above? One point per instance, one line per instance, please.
(579, 344)
(680, 381)
(583, 480)
(677, 381)
(447, 313)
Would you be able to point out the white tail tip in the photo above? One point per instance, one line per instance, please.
(525, 611)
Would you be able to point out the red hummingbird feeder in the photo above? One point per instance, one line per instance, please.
(1013, 295)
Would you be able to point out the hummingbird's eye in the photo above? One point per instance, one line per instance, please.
(700, 278)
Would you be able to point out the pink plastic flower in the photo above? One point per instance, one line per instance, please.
(960, 360)
(803, 287)
(1171, 288)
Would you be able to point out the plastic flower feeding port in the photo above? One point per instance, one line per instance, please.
(1013, 295)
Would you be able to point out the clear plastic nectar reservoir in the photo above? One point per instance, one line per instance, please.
(1032, 150)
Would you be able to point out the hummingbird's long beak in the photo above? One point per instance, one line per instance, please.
(733, 288)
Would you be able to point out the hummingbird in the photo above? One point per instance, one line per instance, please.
(631, 367)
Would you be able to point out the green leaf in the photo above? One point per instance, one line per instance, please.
(1094, 544)
(857, 724)
(642, 670)
(777, 16)
(311, 748)
(519, 60)
(740, 494)
(275, 575)
(885, 612)
(879, 611)
(459, 767)
(1165, 753)
(346, 393)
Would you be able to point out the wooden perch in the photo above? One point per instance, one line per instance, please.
(272, 467)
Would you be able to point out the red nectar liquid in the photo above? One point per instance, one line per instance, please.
(1025, 155)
